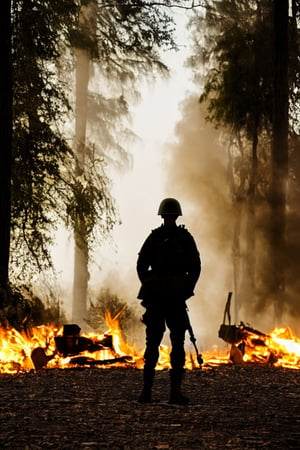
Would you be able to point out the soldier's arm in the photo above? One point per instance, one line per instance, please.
(194, 262)
(143, 261)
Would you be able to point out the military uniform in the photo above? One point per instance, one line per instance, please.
(168, 267)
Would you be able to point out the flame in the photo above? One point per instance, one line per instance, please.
(16, 347)
(278, 348)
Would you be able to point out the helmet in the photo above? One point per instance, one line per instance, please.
(169, 206)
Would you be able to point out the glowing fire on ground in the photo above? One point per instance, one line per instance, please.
(278, 348)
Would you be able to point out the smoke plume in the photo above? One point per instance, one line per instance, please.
(196, 168)
(196, 174)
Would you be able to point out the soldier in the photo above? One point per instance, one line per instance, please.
(168, 267)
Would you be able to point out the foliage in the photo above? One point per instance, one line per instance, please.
(22, 309)
(107, 301)
(90, 210)
(237, 51)
(124, 29)
(40, 151)
(45, 190)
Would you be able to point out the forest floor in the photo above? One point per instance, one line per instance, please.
(231, 407)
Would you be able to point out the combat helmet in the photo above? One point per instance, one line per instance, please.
(169, 206)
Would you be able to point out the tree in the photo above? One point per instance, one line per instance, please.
(87, 30)
(246, 52)
(41, 154)
(45, 189)
(280, 155)
(5, 144)
(122, 40)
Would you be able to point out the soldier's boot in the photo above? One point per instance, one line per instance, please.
(146, 394)
(176, 396)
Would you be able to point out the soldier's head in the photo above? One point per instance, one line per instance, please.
(169, 209)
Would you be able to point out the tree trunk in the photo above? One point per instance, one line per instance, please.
(249, 266)
(80, 283)
(86, 30)
(5, 142)
(279, 156)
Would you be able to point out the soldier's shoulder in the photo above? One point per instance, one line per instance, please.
(156, 233)
(157, 230)
(184, 231)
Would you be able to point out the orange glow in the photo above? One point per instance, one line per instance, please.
(279, 348)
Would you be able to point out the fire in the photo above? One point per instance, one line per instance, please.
(38, 348)
(278, 348)
(16, 347)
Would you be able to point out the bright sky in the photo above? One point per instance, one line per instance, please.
(140, 191)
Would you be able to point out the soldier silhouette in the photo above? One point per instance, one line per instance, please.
(168, 267)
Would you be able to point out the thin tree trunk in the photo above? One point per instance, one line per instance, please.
(5, 142)
(250, 231)
(236, 255)
(279, 155)
(81, 275)
(87, 28)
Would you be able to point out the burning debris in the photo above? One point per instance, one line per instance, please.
(47, 346)
(248, 345)
(71, 343)
(50, 347)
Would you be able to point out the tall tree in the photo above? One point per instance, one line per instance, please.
(40, 151)
(122, 40)
(247, 92)
(5, 143)
(87, 30)
(280, 155)
(45, 189)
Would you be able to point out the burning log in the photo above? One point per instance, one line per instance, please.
(86, 361)
(236, 355)
(69, 344)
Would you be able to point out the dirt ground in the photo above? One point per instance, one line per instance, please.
(93, 408)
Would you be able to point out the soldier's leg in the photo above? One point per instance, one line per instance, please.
(177, 327)
(155, 328)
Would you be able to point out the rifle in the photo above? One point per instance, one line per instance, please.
(193, 339)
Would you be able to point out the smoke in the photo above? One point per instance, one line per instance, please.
(192, 167)
(196, 174)
(293, 233)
